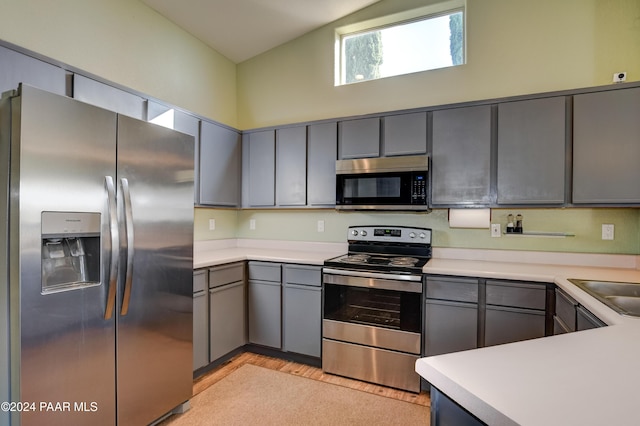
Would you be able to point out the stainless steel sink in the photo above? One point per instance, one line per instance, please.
(622, 297)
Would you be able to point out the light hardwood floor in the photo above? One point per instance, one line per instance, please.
(208, 379)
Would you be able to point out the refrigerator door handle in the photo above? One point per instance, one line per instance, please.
(112, 276)
(128, 226)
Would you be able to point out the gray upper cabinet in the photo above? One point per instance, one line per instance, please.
(259, 173)
(461, 156)
(220, 165)
(359, 138)
(405, 134)
(531, 151)
(291, 166)
(108, 97)
(322, 145)
(16, 68)
(606, 147)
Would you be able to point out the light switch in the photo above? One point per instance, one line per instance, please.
(252, 224)
(212, 224)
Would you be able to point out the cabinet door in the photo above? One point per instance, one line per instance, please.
(227, 319)
(16, 68)
(461, 163)
(606, 147)
(291, 166)
(200, 320)
(265, 306)
(531, 151)
(108, 97)
(220, 157)
(585, 320)
(322, 144)
(261, 169)
(450, 327)
(359, 138)
(506, 325)
(405, 134)
(200, 330)
(302, 319)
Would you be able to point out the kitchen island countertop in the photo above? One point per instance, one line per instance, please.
(587, 378)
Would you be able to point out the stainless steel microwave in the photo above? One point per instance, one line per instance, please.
(388, 183)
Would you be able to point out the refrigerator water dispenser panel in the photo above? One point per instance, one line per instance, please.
(70, 251)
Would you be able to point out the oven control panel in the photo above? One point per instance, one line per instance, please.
(399, 234)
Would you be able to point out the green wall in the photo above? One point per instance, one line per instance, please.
(301, 225)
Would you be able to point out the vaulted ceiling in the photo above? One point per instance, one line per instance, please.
(242, 29)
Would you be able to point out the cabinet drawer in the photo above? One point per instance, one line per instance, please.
(264, 271)
(520, 295)
(225, 274)
(303, 275)
(456, 289)
(199, 280)
(566, 310)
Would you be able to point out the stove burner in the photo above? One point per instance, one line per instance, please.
(356, 258)
(403, 261)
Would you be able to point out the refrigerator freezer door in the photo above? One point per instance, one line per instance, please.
(61, 151)
(155, 304)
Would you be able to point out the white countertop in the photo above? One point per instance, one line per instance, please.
(584, 378)
(212, 253)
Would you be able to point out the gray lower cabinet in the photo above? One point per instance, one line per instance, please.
(219, 166)
(404, 134)
(259, 169)
(451, 315)
(514, 311)
(227, 313)
(16, 68)
(585, 320)
(461, 156)
(265, 304)
(506, 325)
(302, 315)
(359, 138)
(606, 148)
(531, 152)
(564, 320)
(200, 319)
(450, 327)
(291, 167)
(322, 146)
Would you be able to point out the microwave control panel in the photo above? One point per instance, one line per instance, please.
(419, 188)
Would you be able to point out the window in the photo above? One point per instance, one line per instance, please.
(419, 40)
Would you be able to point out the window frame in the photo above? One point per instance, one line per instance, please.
(398, 19)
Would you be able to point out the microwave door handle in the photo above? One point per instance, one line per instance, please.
(111, 271)
(128, 226)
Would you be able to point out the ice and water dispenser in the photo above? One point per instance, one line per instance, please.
(70, 251)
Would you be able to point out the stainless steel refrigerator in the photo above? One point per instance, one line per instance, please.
(96, 264)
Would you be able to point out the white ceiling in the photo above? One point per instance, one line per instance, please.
(241, 29)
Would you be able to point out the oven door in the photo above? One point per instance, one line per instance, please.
(373, 311)
(382, 191)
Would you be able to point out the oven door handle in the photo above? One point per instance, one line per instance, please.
(409, 283)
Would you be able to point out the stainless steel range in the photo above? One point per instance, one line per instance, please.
(372, 310)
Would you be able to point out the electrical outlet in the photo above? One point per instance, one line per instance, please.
(607, 231)
(252, 224)
(619, 77)
(212, 224)
(495, 230)
(321, 226)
